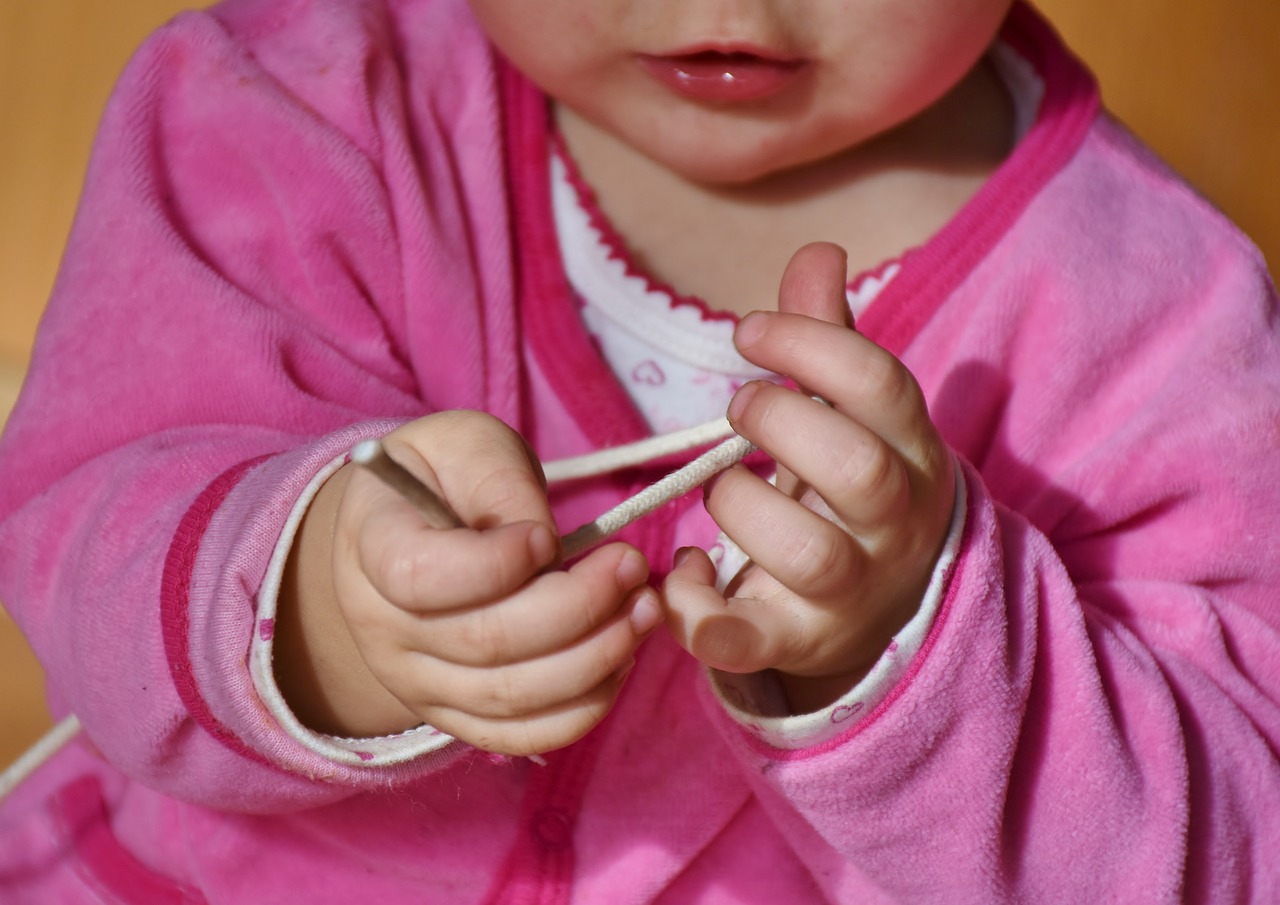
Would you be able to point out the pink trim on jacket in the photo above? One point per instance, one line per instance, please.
(548, 317)
(175, 600)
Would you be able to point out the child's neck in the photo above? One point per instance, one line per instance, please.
(729, 244)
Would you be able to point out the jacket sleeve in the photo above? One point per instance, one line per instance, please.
(1094, 713)
(229, 318)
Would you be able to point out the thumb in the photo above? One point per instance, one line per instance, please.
(482, 467)
(814, 282)
(739, 636)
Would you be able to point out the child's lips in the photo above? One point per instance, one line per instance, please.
(723, 76)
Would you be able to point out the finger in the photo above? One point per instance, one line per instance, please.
(554, 612)
(862, 479)
(815, 283)
(690, 594)
(522, 688)
(421, 569)
(483, 468)
(485, 472)
(555, 727)
(855, 375)
(800, 548)
(734, 635)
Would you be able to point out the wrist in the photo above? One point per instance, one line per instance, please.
(317, 666)
(808, 694)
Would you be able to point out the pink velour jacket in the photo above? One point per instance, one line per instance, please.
(307, 221)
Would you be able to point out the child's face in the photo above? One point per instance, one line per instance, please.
(729, 91)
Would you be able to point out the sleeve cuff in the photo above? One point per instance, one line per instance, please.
(756, 700)
(382, 751)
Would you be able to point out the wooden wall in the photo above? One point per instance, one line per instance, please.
(58, 60)
(1199, 79)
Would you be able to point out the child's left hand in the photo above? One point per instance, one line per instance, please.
(843, 548)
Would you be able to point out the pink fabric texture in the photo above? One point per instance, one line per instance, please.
(309, 220)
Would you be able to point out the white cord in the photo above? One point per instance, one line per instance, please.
(616, 458)
(674, 485)
(50, 744)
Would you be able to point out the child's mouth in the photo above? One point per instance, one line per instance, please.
(723, 76)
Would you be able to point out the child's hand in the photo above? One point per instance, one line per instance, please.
(473, 631)
(843, 549)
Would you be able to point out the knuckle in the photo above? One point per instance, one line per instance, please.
(876, 473)
(936, 466)
(581, 604)
(498, 696)
(822, 557)
(484, 638)
(615, 647)
(503, 489)
(589, 669)
(397, 575)
(889, 380)
(515, 695)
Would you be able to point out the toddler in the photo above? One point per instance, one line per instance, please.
(991, 615)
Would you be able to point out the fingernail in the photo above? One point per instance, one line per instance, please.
(542, 544)
(682, 556)
(621, 675)
(742, 399)
(750, 329)
(633, 568)
(646, 613)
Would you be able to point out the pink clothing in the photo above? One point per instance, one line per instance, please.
(308, 220)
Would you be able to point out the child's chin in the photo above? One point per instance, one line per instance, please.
(733, 167)
(739, 153)
(709, 162)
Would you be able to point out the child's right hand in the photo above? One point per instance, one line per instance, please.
(473, 631)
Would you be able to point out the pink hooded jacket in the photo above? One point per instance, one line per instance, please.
(309, 220)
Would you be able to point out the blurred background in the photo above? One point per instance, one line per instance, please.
(1198, 79)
